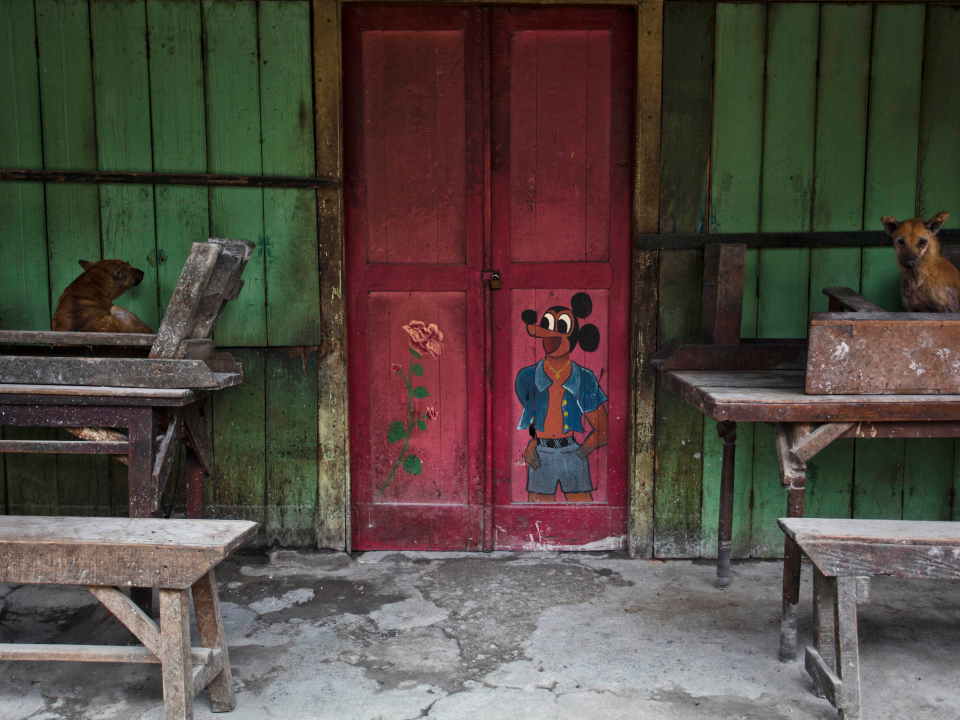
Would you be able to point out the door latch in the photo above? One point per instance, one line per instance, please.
(493, 277)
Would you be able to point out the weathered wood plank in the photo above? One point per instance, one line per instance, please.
(111, 371)
(63, 446)
(178, 320)
(333, 511)
(48, 337)
(126, 611)
(69, 137)
(806, 447)
(752, 354)
(239, 488)
(723, 285)
(290, 216)
(25, 300)
(122, 99)
(735, 207)
(847, 299)
(178, 682)
(206, 601)
(291, 445)
(825, 681)
(178, 116)
(89, 653)
(685, 147)
(233, 136)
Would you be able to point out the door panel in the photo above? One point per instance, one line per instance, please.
(561, 135)
(414, 245)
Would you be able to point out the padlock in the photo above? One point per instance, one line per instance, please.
(495, 281)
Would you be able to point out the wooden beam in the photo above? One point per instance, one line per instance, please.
(149, 178)
(126, 611)
(724, 267)
(75, 447)
(823, 677)
(693, 241)
(809, 445)
(128, 372)
(92, 653)
(791, 472)
(167, 449)
(843, 298)
(179, 316)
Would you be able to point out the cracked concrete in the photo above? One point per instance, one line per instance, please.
(507, 635)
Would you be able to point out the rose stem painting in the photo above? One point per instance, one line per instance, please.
(424, 339)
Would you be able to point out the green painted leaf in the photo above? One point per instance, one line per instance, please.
(415, 353)
(398, 431)
(412, 464)
(417, 369)
(421, 424)
(421, 392)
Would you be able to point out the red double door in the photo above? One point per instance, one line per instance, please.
(488, 163)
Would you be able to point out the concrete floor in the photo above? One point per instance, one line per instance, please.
(507, 635)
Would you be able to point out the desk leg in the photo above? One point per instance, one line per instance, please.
(195, 478)
(141, 488)
(728, 432)
(791, 572)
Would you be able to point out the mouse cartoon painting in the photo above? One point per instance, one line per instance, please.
(559, 398)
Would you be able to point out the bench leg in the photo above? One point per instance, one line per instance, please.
(175, 654)
(823, 642)
(847, 647)
(791, 575)
(142, 491)
(195, 478)
(728, 432)
(206, 604)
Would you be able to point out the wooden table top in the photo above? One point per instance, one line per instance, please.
(889, 532)
(142, 552)
(16, 394)
(778, 396)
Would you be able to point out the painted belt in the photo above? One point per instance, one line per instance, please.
(556, 442)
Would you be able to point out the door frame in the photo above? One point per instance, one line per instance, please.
(334, 509)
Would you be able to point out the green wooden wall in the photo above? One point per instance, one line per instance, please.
(170, 86)
(797, 117)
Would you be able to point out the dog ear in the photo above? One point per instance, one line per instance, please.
(529, 317)
(86, 264)
(589, 338)
(581, 304)
(890, 224)
(934, 223)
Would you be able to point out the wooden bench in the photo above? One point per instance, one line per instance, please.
(104, 554)
(845, 554)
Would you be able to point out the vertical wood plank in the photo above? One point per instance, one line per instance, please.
(929, 464)
(25, 298)
(239, 445)
(787, 193)
(175, 654)
(69, 138)
(233, 146)
(890, 189)
(685, 150)
(290, 216)
(643, 296)
(735, 207)
(333, 511)
(118, 29)
(842, 95)
(179, 133)
(291, 445)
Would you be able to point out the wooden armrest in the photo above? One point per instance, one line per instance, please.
(843, 298)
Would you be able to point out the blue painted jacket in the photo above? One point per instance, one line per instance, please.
(582, 395)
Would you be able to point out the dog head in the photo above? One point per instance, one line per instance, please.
(560, 327)
(914, 239)
(114, 277)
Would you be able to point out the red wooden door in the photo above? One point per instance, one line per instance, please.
(562, 137)
(414, 242)
(497, 138)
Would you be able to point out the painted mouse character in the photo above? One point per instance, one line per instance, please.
(556, 394)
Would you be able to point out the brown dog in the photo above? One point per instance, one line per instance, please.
(87, 303)
(930, 282)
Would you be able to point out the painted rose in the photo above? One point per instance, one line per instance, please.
(425, 338)
(432, 414)
(396, 368)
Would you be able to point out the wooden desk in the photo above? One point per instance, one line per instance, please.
(103, 554)
(804, 425)
(139, 411)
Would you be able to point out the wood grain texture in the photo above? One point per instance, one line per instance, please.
(178, 117)
(290, 216)
(177, 672)
(25, 301)
(206, 601)
(239, 488)
(333, 512)
(69, 137)
(685, 147)
(736, 160)
(122, 100)
(291, 446)
(232, 82)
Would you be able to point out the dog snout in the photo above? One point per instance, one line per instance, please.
(137, 276)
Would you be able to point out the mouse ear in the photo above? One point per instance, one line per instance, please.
(581, 304)
(589, 338)
(86, 264)
(529, 317)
